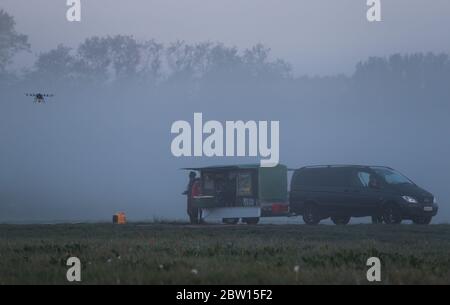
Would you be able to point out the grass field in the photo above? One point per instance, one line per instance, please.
(218, 254)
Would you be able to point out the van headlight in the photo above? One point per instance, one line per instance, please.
(410, 199)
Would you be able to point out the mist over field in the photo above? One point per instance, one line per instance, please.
(102, 143)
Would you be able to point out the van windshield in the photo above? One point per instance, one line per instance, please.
(391, 176)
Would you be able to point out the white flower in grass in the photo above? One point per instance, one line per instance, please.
(296, 270)
(194, 271)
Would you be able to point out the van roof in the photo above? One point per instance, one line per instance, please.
(344, 165)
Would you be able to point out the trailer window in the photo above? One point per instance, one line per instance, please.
(244, 187)
(208, 183)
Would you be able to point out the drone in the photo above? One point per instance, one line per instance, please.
(39, 98)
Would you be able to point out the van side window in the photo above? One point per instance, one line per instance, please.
(364, 178)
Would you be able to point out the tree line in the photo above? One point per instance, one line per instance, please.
(124, 59)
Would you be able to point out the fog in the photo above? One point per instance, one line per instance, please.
(316, 36)
(102, 143)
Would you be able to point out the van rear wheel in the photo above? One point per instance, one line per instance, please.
(341, 220)
(392, 215)
(377, 220)
(310, 215)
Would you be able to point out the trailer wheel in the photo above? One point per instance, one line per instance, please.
(230, 221)
(251, 220)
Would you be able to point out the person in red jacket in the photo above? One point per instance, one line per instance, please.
(193, 190)
(196, 188)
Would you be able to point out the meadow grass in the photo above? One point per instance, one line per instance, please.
(177, 253)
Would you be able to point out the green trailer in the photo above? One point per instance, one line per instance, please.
(245, 192)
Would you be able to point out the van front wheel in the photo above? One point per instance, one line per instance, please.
(422, 220)
(341, 220)
(310, 215)
(392, 215)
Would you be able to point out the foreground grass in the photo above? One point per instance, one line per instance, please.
(262, 254)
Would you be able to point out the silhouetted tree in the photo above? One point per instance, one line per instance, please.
(404, 77)
(187, 62)
(122, 59)
(257, 61)
(119, 58)
(11, 42)
(207, 60)
(56, 64)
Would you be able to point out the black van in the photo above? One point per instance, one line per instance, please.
(345, 191)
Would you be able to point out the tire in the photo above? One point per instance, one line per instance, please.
(310, 215)
(422, 220)
(377, 220)
(251, 220)
(392, 215)
(230, 221)
(341, 220)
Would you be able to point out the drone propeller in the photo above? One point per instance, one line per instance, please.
(39, 94)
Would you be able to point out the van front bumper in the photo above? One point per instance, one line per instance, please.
(414, 210)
